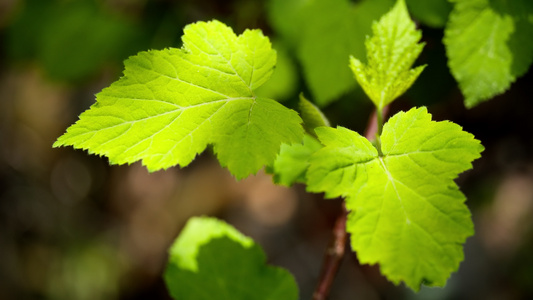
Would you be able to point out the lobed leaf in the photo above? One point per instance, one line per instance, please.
(172, 103)
(406, 212)
(212, 260)
(391, 51)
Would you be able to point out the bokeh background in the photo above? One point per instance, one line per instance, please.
(73, 227)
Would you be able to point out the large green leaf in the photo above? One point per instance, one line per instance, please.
(406, 212)
(212, 260)
(323, 33)
(172, 103)
(391, 51)
(487, 48)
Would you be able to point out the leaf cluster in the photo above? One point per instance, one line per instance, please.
(405, 211)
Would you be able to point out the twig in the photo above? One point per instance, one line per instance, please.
(333, 257)
(337, 245)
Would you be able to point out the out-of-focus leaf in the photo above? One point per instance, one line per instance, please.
(487, 49)
(432, 13)
(323, 34)
(284, 80)
(71, 39)
(212, 260)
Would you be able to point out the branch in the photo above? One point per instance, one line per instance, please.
(337, 245)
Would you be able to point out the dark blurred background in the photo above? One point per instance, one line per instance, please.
(73, 227)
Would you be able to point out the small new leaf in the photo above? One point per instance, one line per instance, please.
(212, 260)
(406, 212)
(311, 115)
(391, 52)
(292, 162)
(172, 103)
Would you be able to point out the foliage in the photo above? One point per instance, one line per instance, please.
(172, 103)
(392, 50)
(211, 257)
(71, 39)
(407, 214)
(432, 13)
(487, 41)
(489, 46)
(322, 33)
(405, 210)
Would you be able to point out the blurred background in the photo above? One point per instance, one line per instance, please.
(73, 227)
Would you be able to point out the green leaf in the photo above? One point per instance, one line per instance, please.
(521, 46)
(406, 212)
(292, 162)
(311, 115)
(93, 37)
(519, 9)
(391, 52)
(487, 49)
(212, 260)
(284, 81)
(433, 13)
(323, 33)
(172, 103)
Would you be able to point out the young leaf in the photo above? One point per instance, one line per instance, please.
(311, 115)
(172, 103)
(406, 212)
(293, 160)
(212, 260)
(391, 52)
(487, 49)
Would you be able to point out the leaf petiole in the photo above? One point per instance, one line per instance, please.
(379, 118)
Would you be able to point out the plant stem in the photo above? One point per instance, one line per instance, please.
(333, 257)
(335, 250)
(379, 116)
(376, 133)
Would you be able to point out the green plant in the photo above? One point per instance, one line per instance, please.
(405, 211)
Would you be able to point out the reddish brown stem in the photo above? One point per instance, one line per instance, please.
(333, 257)
(337, 245)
